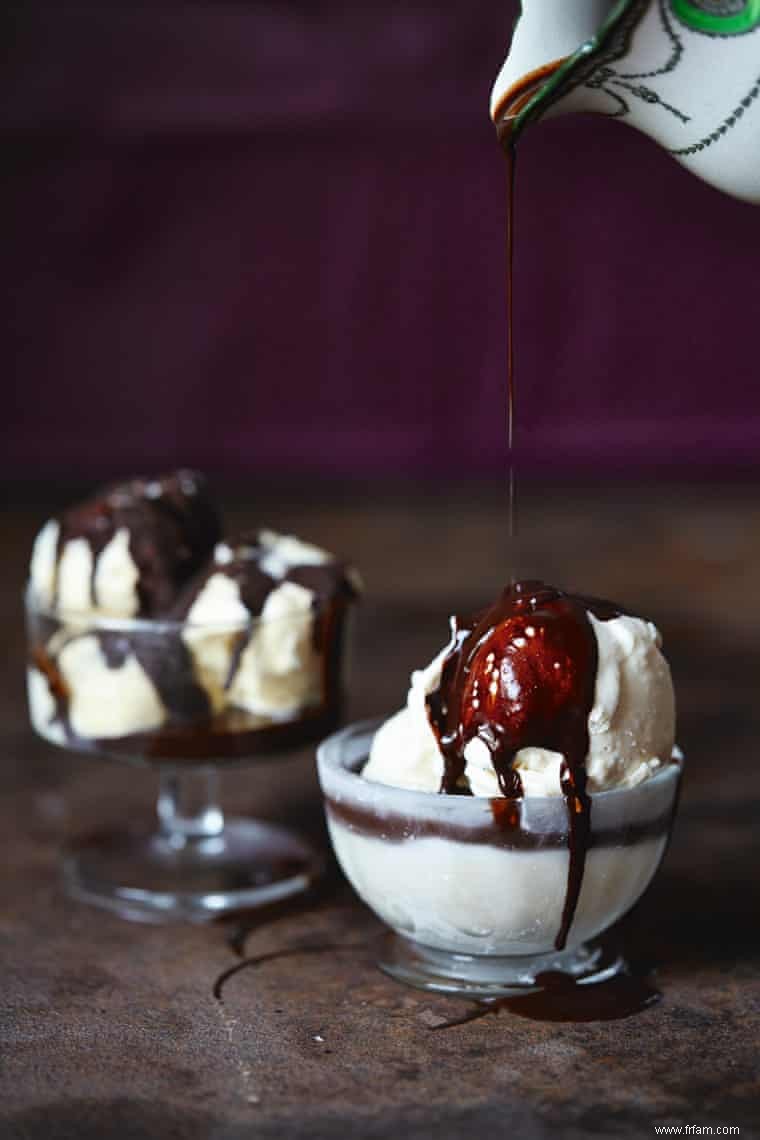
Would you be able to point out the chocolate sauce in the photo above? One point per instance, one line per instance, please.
(192, 733)
(561, 998)
(522, 674)
(505, 119)
(507, 836)
(232, 735)
(167, 661)
(172, 526)
(239, 645)
(512, 459)
(275, 955)
(242, 924)
(59, 690)
(329, 583)
(516, 99)
(541, 695)
(504, 124)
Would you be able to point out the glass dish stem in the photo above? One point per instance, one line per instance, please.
(188, 806)
(196, 865)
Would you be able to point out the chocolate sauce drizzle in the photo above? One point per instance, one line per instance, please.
(166, 660)
(173, 529)
(172, 526)
(511, 409)
(509, 834)
(522, 674)
(275, 955)
(192, 735)
(329, 583)
(40, 660)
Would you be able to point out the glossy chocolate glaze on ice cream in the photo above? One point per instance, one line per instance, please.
(522, 673)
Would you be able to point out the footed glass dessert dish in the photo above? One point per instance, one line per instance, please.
(476, 889)
(187, 697)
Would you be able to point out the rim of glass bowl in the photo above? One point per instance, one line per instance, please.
(108, 624)
(330, 756)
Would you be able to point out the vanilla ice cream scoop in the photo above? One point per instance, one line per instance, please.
(258, 622)
(144, 622)
(543, 694)
(540, 684)
(126, 551)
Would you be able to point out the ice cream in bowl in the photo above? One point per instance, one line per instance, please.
(156, 639)
(520, 803)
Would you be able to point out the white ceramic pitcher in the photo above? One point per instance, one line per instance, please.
(685, 72)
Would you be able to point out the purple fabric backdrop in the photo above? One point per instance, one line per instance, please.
(271, 237)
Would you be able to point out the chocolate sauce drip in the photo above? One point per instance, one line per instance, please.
(325, 579)
(39, 659)
(254, 587)
(173, 531)
(240, 926)
(172, 526)
(167, 662)
(329, 582)
(331, 585)
(522, 674)
(232, 736)
(93, 522)
(192, 734)
(516, 99)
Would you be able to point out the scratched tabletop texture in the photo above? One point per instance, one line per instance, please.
(111, 1029)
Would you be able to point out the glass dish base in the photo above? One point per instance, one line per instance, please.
(168, 877)
(486, 976)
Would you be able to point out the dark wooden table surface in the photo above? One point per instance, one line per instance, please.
(112, 1029)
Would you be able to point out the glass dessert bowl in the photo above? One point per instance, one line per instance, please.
(126, 689)
(475, 888)
(153, 641)
(522, 801)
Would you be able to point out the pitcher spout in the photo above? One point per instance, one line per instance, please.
(546, 35)
(684, 72)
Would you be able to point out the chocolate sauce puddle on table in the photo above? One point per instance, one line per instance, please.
(561, 998)
(522, 674)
